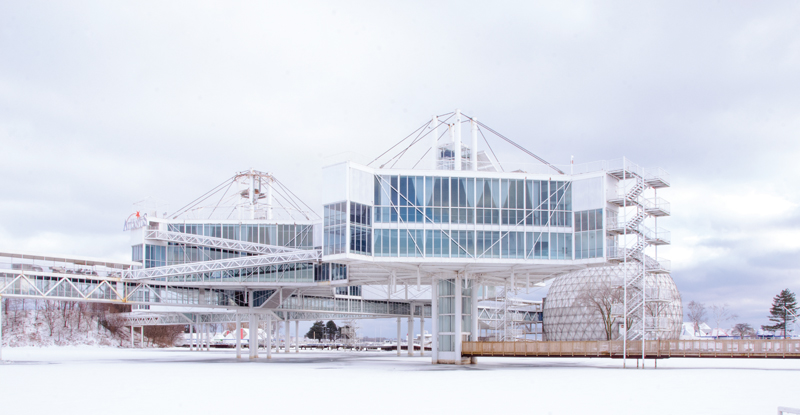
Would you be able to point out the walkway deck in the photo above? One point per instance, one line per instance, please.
(655, 349)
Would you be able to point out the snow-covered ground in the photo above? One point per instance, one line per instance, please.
(84, 380)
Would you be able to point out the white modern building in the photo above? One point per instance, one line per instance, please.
(432, 241)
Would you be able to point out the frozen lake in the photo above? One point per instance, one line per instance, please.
(81, 380)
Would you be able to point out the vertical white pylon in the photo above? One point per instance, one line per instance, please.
(252, 194)
(473, 155)
(238, 335)
(457, 146)
(269, 197)
(297, 336)
(398, 336)
(434, 141)
(287, 337)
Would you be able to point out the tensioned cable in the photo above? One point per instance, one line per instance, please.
(402, 153)
(295, 196)
(508, 140)
(428, 150)
(289, 201)
(398, 143)
(204, 196)
(220, 199)
(416, 140)
(490, 149)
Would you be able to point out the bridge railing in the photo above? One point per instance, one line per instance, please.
(653, 348)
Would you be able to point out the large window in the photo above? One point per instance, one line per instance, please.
(360, 229)
(335, 238)
(589, 234)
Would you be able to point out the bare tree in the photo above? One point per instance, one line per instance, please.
(601, 297)
(743, 330)
(50, 314)
(696, 314)
(722, 313)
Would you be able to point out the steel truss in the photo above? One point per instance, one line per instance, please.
(61, 287)
(278, 258)
(220, 243)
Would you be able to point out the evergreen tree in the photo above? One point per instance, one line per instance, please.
(317, 331)
(331, 330)
(783, 312)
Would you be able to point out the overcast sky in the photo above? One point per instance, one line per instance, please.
(105, 103)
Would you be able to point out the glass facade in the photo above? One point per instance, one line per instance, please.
(290, 235)
(446, 312)
(360, 229)
(334, 228)
(589, 234)
(431, 216)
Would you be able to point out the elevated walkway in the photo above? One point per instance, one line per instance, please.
(654, 349)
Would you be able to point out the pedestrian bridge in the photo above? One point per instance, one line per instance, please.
(654, 349)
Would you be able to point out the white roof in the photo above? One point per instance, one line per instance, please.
(72, 259)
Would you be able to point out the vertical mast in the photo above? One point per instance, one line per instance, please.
(435, 141)
(473, 155)
(457, 146)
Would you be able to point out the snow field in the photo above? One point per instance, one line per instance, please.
(83, 380)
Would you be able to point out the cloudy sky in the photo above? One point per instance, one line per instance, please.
(105, 103)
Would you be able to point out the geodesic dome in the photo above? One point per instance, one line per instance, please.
(577, 303)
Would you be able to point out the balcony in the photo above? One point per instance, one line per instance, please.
(658, 236)
(657, 206)
(657, 178)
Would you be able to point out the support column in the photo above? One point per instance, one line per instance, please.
(459, 315)
(434, 321)
(131, 336)
(398, 336)
(238, 335)
(297, 336)
(474, 330)
(208, 337)
(411, 333)
(191, 337)
(141, 337)
(269, 336)
(287, 341)
(1, 328)
(422, 331)
(253, 336)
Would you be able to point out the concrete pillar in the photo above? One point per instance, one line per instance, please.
(459, 314)
(434, 321)
(238, 335)
(411, 332)
(1, 328)
(191, 337)
(474, 330)
(297, 336)
(141, 337)
(208, 336)
(287, 341)
(131, 336)
(253, 336)
(269, 336)
(398, 336)
(422, 331)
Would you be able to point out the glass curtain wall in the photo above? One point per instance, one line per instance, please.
(589, 234)
(428, 212)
